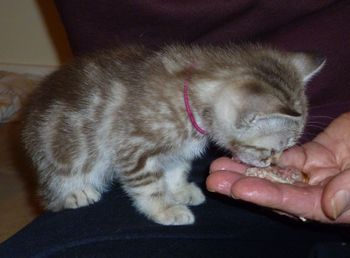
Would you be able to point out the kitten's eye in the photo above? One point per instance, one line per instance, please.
(289, 112)
(248, 119)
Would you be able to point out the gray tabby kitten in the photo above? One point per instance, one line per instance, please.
(142, 116)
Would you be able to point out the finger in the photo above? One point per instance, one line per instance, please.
(313, 159)
(294, 156)
(321, 176)
(301, 201)
(228, 164)
(307, 157)
(336, 197)
(222, 181)
(336, 136)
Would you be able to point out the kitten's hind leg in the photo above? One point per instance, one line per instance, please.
(72, 191)
(148, 190)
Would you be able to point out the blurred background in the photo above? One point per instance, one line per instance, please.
(32, 44)
(32, 34)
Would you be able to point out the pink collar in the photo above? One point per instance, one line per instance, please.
(189, 111)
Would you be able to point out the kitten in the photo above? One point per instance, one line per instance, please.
(141, 116)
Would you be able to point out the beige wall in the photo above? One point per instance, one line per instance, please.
(31, 33)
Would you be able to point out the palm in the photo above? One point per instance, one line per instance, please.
(326, 160)
(327, 155)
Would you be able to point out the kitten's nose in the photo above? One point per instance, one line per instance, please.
(273, 152)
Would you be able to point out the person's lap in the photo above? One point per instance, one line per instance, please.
(112, 227)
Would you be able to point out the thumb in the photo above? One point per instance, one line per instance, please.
(336, 197)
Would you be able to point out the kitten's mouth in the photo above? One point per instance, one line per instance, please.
(269, 161)
(237, 160)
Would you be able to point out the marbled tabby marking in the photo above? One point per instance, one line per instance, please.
(119, 114)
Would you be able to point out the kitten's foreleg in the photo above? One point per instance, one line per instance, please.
(183, 192)
(148, 189)
(82, 197)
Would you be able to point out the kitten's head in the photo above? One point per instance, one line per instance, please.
(252, 99)
(261, 108)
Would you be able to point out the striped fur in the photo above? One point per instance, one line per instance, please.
(119, 114)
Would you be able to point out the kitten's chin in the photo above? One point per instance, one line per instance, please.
(250, 161)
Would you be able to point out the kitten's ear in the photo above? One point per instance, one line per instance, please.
(286, 111)
(308, 64)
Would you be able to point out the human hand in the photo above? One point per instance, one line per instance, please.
(326, 160)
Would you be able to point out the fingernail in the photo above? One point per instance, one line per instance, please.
(340, 203)
(222, 187)
(211, 190)
(234, 196)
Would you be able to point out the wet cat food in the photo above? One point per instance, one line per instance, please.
(285, 175)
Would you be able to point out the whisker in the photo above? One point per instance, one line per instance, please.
(298, 144)
(316, 123)
(315, 126)
(317, 116)
(310, 134)
(318, 106)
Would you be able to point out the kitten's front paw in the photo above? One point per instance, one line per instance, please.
(189, 194)
(175, 215)
(81, 198)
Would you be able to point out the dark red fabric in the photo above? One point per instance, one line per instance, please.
(91, 25)
(321, 26)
